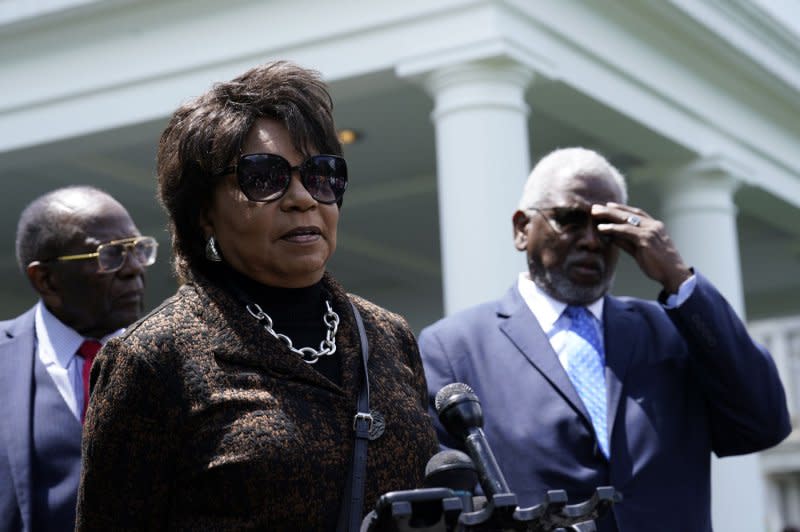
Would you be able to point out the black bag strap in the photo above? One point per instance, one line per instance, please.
(353, 500)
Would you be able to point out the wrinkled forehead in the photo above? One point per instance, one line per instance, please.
(101, 223)
(583, 189)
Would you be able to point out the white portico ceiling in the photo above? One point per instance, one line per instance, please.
(86, 87)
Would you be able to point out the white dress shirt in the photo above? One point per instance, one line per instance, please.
(548, 311)
(57, 346)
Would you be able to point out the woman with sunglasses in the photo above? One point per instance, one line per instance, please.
(232, 406)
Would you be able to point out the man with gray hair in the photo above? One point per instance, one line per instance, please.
(85, 259)
(582, 389)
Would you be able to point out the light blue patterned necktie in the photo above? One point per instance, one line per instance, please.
(585, 367)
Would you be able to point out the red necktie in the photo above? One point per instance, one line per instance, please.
(88, 350)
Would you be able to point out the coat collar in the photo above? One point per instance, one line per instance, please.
(622, 329)
(520, 326)
(237, 338)
(620, 332)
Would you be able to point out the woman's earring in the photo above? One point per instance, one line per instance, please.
(211, 250)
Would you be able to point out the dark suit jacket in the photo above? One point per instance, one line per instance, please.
(23, 504)
(680, 384)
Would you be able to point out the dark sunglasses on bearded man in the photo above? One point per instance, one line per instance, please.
(569, 220)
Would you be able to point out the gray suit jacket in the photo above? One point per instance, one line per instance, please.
(16, 403)
(21, 507)
(680, 384)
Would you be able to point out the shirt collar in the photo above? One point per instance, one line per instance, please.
(546, 309)
(56, 340)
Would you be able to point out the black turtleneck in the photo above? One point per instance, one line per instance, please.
(296, 312)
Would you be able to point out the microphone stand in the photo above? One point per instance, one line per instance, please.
(448, 505)
(445, 510)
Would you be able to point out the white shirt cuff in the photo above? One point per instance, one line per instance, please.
(684, 292)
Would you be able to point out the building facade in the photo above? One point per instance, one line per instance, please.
(453, 100)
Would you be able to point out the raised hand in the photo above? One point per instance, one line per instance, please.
(646, 239)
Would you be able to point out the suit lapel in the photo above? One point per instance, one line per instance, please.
(520, 326)
(621, 334)
(17, 352)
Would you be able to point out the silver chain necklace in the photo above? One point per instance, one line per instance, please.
(309, 355)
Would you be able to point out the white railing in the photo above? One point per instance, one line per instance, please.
(782, 337)
(781, 464)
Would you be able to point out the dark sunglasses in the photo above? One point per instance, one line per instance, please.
(266, 176)
(569, 219)
(565, 219)
(111, 255)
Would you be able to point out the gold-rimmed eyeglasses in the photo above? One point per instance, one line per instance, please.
(111, 255)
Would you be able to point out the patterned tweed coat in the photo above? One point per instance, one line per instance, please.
(201, 420)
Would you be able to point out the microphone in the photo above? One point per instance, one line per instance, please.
(451, 469)
(460, 412)
(445, 495)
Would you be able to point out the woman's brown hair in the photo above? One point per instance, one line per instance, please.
(205, 135)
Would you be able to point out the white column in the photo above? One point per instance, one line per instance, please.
(700, 215)
(482, 157)
(792, 495)
(773, 508)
